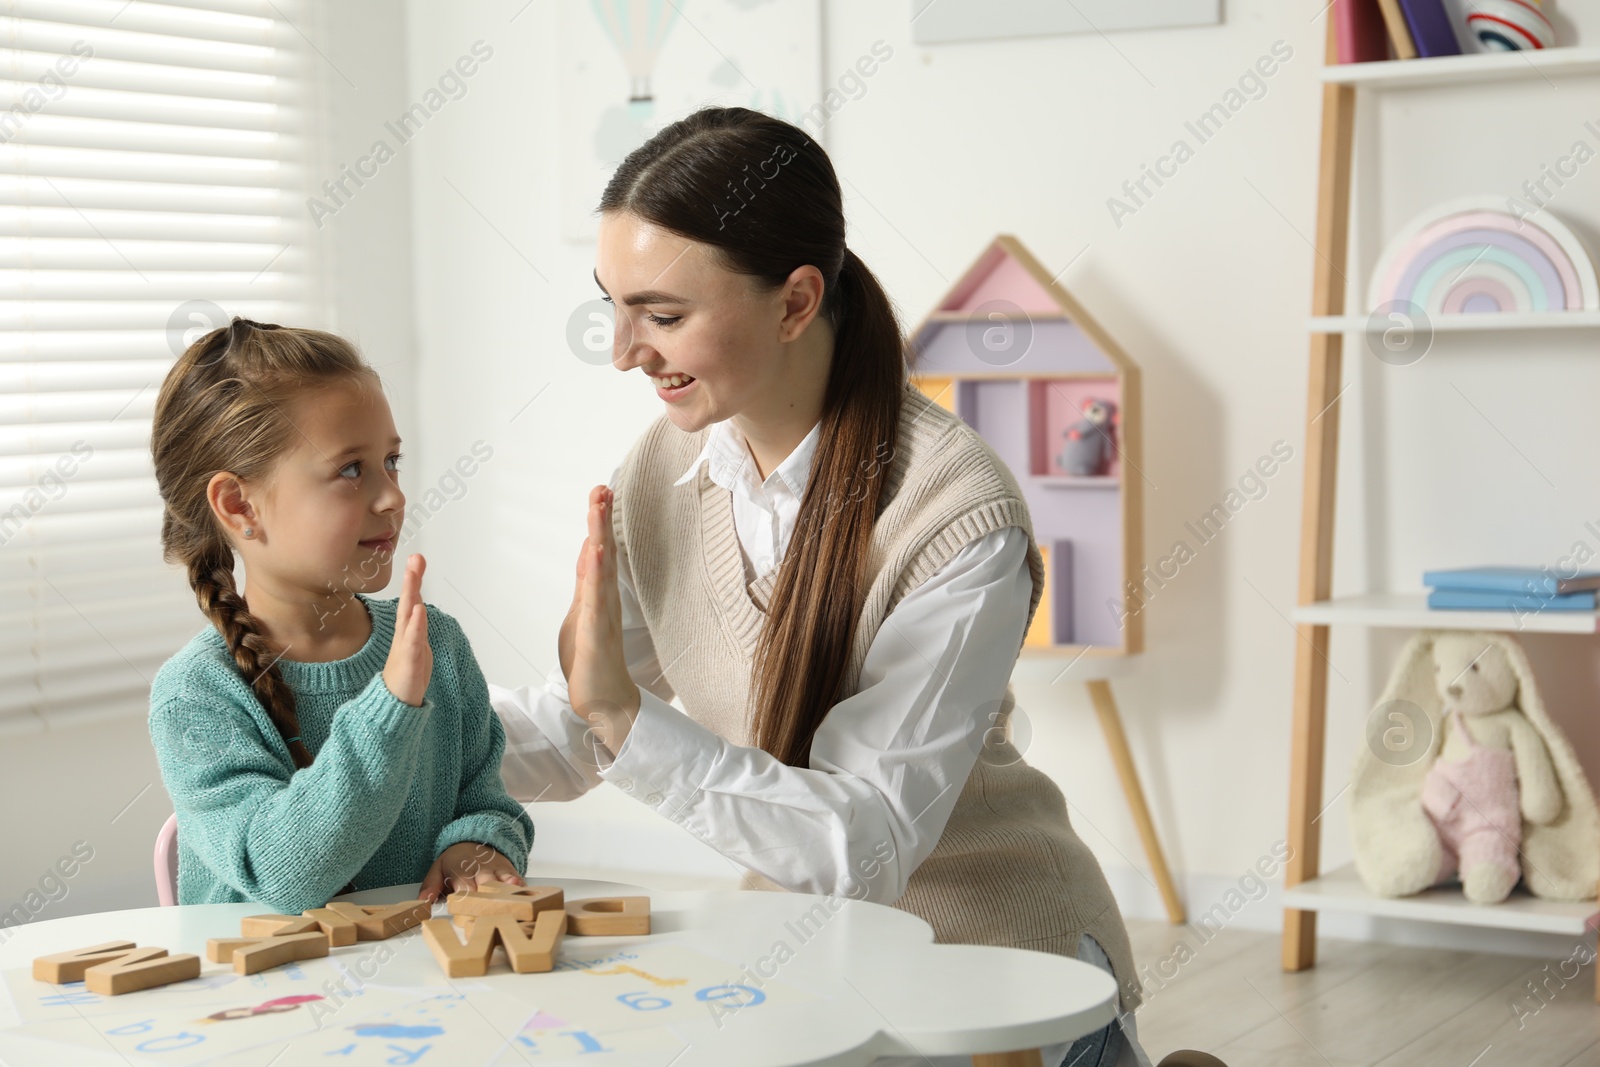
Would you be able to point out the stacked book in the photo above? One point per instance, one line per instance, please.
(1519, 589)
(1367, 31)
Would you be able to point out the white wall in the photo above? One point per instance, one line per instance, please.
(1207, 283)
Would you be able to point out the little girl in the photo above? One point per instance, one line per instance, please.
(314, 740)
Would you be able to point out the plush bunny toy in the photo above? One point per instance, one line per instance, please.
(1463, 771)
(1493, 770)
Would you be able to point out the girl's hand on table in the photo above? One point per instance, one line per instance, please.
(464, 867)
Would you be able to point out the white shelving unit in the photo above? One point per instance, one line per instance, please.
(1308, 891)
(1410, 611)
(1475, 69)
(1087, 481)
(1503, 321)
(1343, 890)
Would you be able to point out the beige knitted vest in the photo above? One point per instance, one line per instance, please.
(1008, 869)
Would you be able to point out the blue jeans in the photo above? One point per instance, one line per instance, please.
(1098, 1049)
(1103, 1047)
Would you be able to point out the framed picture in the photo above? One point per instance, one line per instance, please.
(946, 21)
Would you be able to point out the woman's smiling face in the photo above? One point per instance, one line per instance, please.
(679, 311)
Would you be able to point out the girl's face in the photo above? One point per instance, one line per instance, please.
(680, 312)
(329, 516)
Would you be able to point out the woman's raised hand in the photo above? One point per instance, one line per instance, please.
(410, 662)
(599, 687)
(564, 641)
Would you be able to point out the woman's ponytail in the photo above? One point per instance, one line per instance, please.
(804, 648)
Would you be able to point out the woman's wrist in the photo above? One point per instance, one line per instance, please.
(610, 723)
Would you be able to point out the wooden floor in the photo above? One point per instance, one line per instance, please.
(1362, 1004)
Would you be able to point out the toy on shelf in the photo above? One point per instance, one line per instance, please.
(1026, 366)
(1090, 442)
(1464, 774)
(1509, 25)
(1472, 255)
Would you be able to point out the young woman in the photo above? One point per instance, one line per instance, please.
(832, 572)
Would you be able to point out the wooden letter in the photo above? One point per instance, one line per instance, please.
(457, 960)
(272, 925)
(221, 949)
(530, 947)
(379, 922)
(608, 916)
(140, 969)
(252, 954)
(340, 931)
(66, 967)
(519, 902)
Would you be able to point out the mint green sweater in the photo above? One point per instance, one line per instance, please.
(391, 785)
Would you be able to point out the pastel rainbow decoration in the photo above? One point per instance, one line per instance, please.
(1472, 256)
(1509, 25)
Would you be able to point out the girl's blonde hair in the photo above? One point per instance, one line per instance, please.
(224, 407)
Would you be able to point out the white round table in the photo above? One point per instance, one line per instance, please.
(724, 979)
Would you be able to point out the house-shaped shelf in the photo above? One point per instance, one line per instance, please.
(1024, 364)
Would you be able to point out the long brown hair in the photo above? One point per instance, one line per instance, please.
(764, 195)
(223, 407)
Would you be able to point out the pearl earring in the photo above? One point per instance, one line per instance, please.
(248, 532)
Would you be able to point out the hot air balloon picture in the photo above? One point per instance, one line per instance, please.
(626, 68)
(637, 29)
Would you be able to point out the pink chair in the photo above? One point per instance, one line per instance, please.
(167, 862)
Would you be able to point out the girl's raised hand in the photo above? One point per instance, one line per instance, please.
(410, 662)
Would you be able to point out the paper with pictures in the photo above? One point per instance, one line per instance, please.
(153, 1030)
(441, 1028)
(619, 1000)
(641, 985)
(40, 1002)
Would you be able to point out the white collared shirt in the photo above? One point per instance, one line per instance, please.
(887, 763)
(764, 512)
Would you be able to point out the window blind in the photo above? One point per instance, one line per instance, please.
(152, 183)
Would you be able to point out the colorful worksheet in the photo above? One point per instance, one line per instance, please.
(389, 1003)
(150, 1030)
